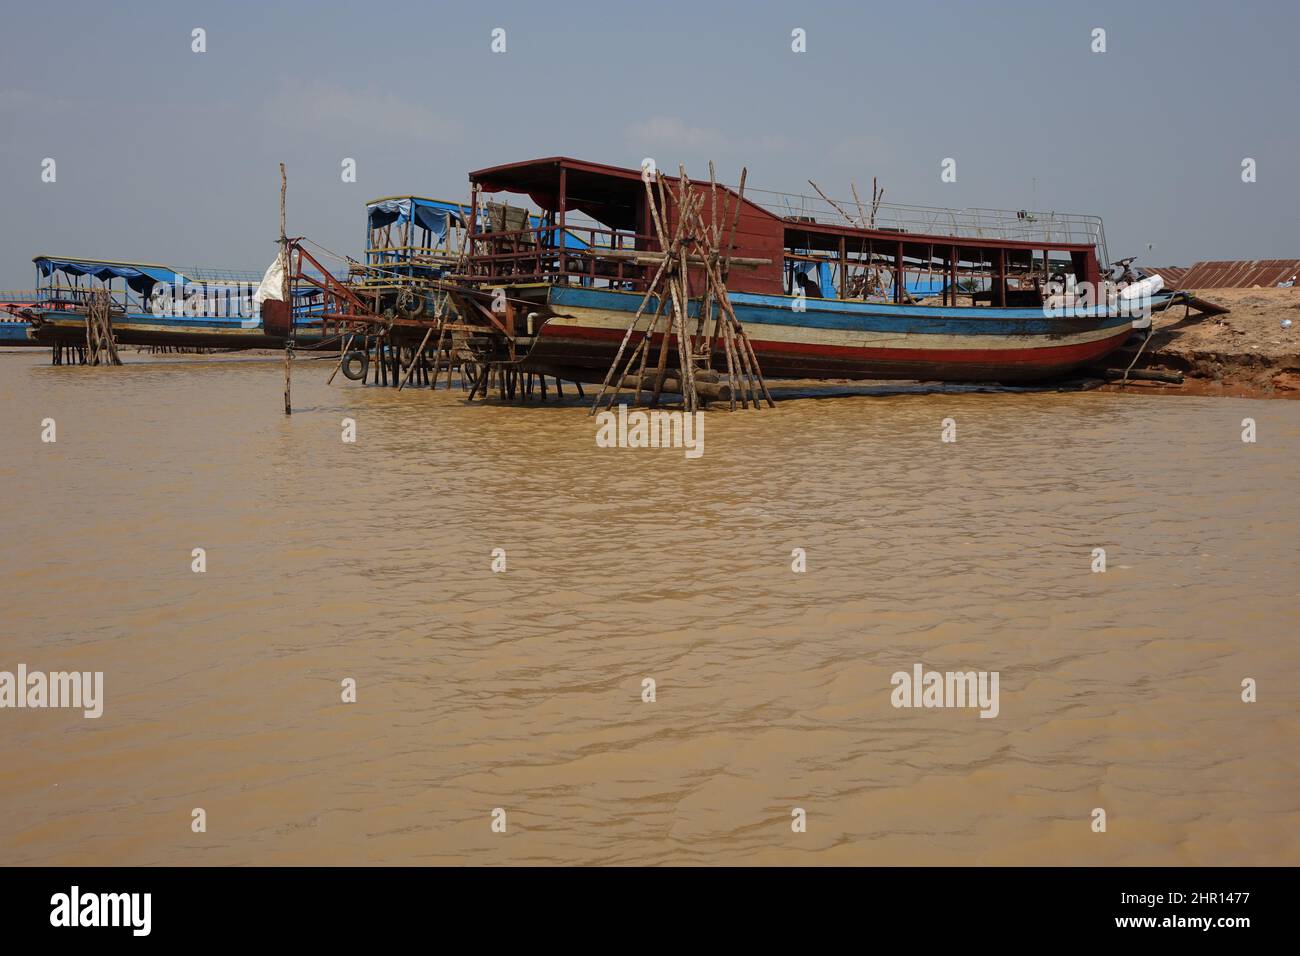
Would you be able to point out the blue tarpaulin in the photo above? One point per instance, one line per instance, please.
(436, 215)
(822, 273)
(921, 288)
(431, 214)
(826, 279)
(570, 240)
(140, 278)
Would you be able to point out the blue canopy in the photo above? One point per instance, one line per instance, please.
(142, 277)
(139, 277)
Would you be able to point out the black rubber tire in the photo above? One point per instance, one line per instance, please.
(352, 374)
(410, 304)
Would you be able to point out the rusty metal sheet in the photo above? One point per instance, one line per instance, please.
(1173, 275)
(1240, 273)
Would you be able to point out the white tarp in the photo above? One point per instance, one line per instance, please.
(1143, 287)
(272, 284)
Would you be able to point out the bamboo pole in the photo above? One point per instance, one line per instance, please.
(735, 224)
(650, 291)
(831, 201)
(286, 294)
(645, 345)
(686, 242)
(343, 354)
(419, 353)
(749, 359)
(646, 258)
(862, 213)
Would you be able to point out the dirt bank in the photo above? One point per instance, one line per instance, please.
(1244, 353)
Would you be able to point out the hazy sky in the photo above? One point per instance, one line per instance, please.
(168, 155)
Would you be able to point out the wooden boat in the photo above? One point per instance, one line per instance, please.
(899, 292)
(155, 304)
(834, 339)
(15, 332)
(14, 328)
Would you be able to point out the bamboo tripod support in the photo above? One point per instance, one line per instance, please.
(100, 347)
(692, 244)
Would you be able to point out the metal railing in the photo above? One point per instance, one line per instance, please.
(1011, 225)
(225, 294)
(399, 265)
(533, 255)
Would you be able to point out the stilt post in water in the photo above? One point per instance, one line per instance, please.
(286, 292)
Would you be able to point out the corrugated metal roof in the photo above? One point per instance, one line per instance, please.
(1173, 275)
(1239, 273)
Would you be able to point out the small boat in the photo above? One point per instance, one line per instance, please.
(14, 328)
(154, 304)
(15, 332)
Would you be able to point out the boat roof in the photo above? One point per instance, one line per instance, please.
(612, 195)
(140, 276)
(135, 273)
(422, 200)
(522, 170)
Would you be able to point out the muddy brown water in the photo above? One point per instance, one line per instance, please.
(522, 690)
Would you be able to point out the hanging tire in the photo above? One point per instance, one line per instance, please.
(409, 304)
(356, 365)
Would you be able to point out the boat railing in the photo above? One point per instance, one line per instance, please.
(1013, 225)
(590, 255)
(399, 265)
(60, 297)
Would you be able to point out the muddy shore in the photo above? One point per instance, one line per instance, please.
(1243, 353)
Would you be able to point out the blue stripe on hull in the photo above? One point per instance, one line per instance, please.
(199, 331)
(864, 316)
(14, 333)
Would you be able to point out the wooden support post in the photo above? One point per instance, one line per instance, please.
(1000, 292)
(844, 271)
(286, 295)
(563, 203)
(952, 274)
(898, 275)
